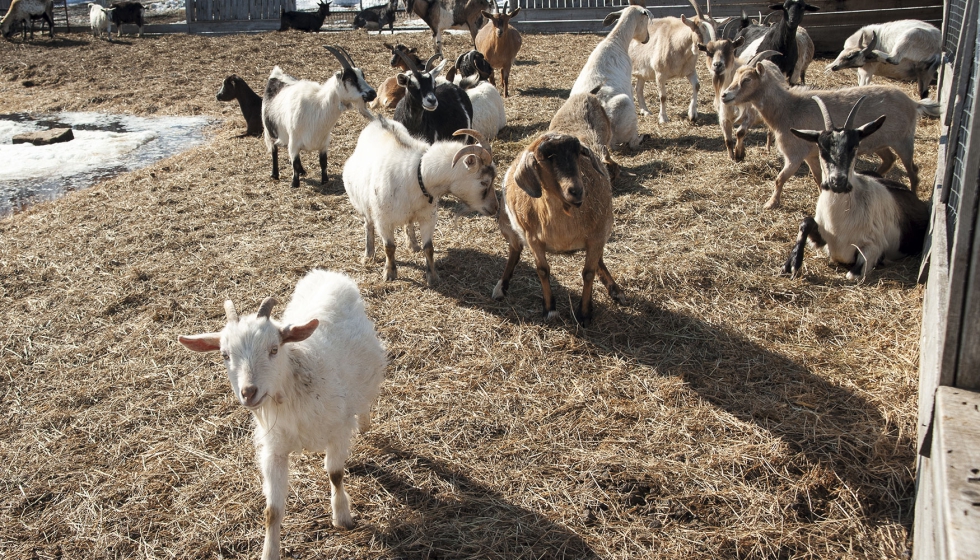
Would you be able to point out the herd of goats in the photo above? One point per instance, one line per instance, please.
(311, 387)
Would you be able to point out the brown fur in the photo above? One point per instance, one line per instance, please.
(582, 116)
(499, 43)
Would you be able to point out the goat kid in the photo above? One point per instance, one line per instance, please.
(300, 114)
(249, 102)
(558, 199)
(309, 381)
(860, 219)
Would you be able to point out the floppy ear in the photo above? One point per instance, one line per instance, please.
(296, 333)
(208, 342)
(871, 127)
(808, 135)
(526, 176)
(451, 74)
(611, 18)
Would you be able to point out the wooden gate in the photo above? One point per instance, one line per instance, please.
(205, 16)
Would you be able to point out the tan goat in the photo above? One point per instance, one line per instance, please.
(558, 198)
(582, 116)
(499, 43)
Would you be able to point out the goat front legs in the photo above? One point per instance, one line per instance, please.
(275, 485)
(789, 169)
(809, 230)
(544, 276)
(505, 79)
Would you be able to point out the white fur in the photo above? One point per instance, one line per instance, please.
(489, 114)
(99, 20)
(304, 112)
(609, 66)
(311, 394)
(908, 42)
(22, 10)
(381, 180)
(670, 54)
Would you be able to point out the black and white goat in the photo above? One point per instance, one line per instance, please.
(376, 17)
(441, 15)
(304, 21)
(781, 37)
(300, 114)
(250, 103)
(25, 12)
(860, 219)
(127, 13)
(429, 110)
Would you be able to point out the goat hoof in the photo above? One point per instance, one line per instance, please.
(295, 183)
(584, 320)
(343, 522)
(390, 275)
(550, 315)
(498, 291)
(275, 176)
(431, 279)
(772, 203)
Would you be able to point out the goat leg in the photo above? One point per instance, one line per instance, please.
(323, 168)
(808, 231)
(275, 485)
(505, 79)
(431, 276)
(275, 162)
(297, 171)
(607, 279)
(337, 452)
(583, 314)
(544, 276)
(391, 271)
(368, 242)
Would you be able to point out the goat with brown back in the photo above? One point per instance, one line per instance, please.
(499, 43)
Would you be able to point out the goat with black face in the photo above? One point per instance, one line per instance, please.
(429, 111)
(861, 218)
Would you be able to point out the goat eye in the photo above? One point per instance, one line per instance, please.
(274, 351)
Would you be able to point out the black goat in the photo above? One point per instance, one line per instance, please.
(304, 21)
(249, 102)
(472, 67)
(376, 17)
(428, 111)
(781, 37)
(127, 12)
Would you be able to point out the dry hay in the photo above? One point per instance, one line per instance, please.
(724, 413)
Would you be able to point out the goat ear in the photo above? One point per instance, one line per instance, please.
(611, 18)
(701, 47)
(209, 342)
(810, 8)
(739, 41)
(884, 57)
(808, 135)
(526, 176)
(871, 127)
(587, 153)
(402, 80)
(296, 333)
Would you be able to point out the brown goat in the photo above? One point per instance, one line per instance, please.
(558, 199)
(499, 43)
(390, 93)
(583, 117)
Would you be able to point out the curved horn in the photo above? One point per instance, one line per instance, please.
(431, 62)
(230, 312)
(761, 56)
(408, 61)
(338, 56)
(873, 42)
(697, 9)
(266, 308)
(853, 113)
(476, 136)
(478, 151)
(347, 56)
(828, 123)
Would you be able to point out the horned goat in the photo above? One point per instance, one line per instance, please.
(249, 102)
(24, 12)
(394, 179)
(499, 43)
(390, 92)
(441, 15)
(670, 54)
(300, 115)
(309, 381)
(609, 66)
(754, 34)
(781, 37)
(860, 219)
(558, 198)
(782, 107)
(722, 64)
(902, 50)
(431, 110)
(304, 21)
(583, 117)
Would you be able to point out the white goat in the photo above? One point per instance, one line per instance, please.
(99, 19)
(902, 50)
(782, 108)
(394, 179)
(300, 114)
(309, 382)
(609, 66)
(860, 219)
(489, 114)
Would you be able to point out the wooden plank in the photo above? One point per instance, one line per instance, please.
(924, 527)
(957, 470)
(933, 335)
(234, 26)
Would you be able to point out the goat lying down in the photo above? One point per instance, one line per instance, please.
(860, 219)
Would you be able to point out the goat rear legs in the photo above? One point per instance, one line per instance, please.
(339, 500)
(607, 280)
(323, 168)
(641, 101)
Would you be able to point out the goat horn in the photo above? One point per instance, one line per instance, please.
(479, 151)
(476, 136)
(346, 54)
(431, 62)
(761, 56)
(853, 113)
(828, 123)
(709, 9)
(266, 308)
(408, 61)
(697, 9)
(337, 55)
(230, 312)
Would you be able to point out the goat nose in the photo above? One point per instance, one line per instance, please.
(248, 393)
(370, 96)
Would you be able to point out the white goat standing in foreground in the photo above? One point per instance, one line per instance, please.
(309, 382)
(609, 66)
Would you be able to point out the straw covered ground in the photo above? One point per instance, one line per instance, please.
(725, 412)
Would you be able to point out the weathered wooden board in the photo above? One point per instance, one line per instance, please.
(956, 471)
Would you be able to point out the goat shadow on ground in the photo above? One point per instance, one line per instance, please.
(481, 520)
(59, 42)
(526, 62)
(522, 132)
(632, 180)
(545, 92)
(724, 367)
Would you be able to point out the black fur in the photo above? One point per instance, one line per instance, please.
(250, 103)
(127, 12)
(454, 111)
(304, 21)
(376, 17)
(781, 36)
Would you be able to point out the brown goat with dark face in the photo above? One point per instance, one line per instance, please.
(558, 199)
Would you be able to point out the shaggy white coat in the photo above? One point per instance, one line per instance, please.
(489, 114)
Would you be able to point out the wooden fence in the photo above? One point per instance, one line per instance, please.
(947, 508)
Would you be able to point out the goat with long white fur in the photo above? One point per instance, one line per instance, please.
(902, 50)
(860, 219)
(309, 381)
(671, 54)
(489, 113)
(782, 108)
(609, 66)
(300, 114)
(99, 19)
(394, 179)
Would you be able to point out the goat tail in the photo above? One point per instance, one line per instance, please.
(929, 107)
